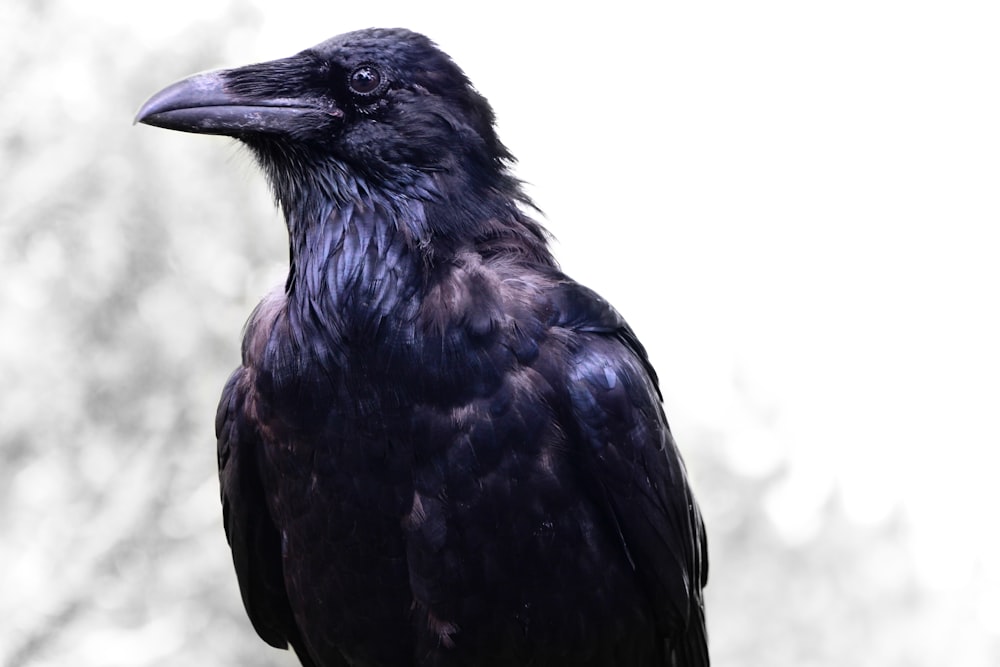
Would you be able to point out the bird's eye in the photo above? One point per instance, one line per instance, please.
(365, 80)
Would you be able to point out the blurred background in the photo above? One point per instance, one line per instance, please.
(795, 204)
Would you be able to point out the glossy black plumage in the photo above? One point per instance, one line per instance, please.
(438, 450)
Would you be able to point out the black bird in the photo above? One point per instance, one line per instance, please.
(438, 450)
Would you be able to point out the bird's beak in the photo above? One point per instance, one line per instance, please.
(206, 104)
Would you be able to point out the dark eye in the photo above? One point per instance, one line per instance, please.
(365, 80)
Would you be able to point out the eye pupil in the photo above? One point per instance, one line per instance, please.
(365, 79)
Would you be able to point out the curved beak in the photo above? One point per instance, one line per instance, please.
(206, 104)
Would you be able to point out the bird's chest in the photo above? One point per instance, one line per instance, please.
(345, 394)
(354, 409)
(353, 420)
(354, 364)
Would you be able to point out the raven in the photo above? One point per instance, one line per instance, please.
(438, 450)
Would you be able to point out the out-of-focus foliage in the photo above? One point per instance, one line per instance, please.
(129, 258)
(120, 309)
(848, 595)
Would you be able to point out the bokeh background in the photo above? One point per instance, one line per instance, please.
(794, 203)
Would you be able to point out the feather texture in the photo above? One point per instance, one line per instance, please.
(438, 450)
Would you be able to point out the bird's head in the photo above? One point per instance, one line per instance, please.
(384, 107)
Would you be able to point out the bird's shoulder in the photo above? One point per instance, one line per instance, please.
(475, 286)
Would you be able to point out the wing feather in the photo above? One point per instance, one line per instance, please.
(252, 536)
(632, 461)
